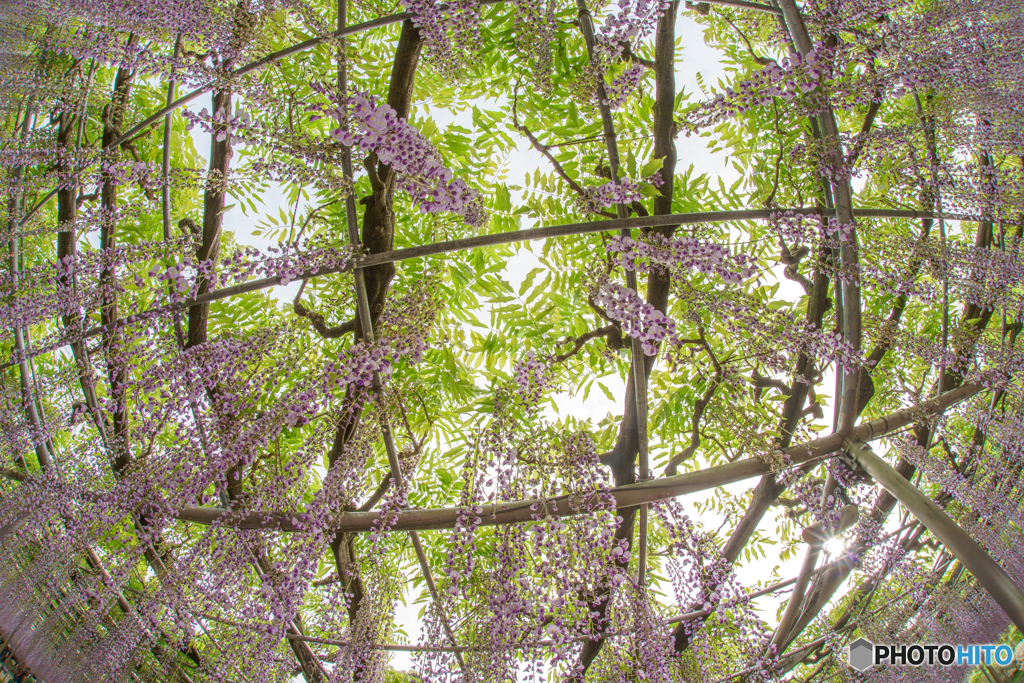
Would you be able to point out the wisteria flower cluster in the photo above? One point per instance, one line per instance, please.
(785, 80)
(451, 31)
(773, 334)
(376, 128)
(408, 321)
(681, 254)
(624, 85)
(533, 32)
(127, 172)
(285, 263)
(623, 191)
(639, 319)
(396, 498)
(828, 157)
(802, 228)
(48, 289)
(623, 30)
(532, 378)
(703, 582)
(360, 361)
(181, 482)
(221, 124)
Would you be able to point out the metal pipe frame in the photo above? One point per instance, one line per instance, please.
(987, 571)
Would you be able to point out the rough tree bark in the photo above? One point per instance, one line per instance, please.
(113, 119)
(214, 197)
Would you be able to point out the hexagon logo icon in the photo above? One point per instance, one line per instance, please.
(862, 654)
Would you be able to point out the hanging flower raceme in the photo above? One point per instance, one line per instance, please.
(680, 254)
(623, 30)
(533, 32)
(704, 581)
(623, 191)
(48, 289)
(194, 18)
(375, 127)
(284, 263)
(221, 124)
(358, 363)
(786, 80)
(798, 227)
(450, 30)
(128, 172)
(532, 379)
(639, 319)
(623, 85)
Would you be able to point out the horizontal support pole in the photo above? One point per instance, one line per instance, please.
(492, 240)
(648, 491)
(743, 4)
(512, 512)
(385, 647)
(615, 224)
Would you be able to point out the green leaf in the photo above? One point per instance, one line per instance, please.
(503, 199)
(652, 167)
(528, 281)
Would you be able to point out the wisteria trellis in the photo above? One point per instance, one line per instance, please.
(201, 483)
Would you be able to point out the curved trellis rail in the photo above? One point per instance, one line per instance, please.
(631, 495)
(476, 242)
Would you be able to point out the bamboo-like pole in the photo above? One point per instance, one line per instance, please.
(366, 324)
(796, 599)
(987, 571)
(815, 537)
(21, 349)
(638, 362)
(743, 4)
(514, 512)
(631, 495)
(510, 237)
(165, 193)
(844, 214)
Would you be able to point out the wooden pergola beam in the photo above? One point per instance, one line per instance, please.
(511, 237)
(649, 491)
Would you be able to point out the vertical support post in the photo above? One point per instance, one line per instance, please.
(165, 205)
(843, 198)
(815, 536)
(796, 598)
(637, 354)
(165, 194)
(14, 204)
(366, 325)
(987, 571)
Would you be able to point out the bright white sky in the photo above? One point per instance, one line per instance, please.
(697, 58)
